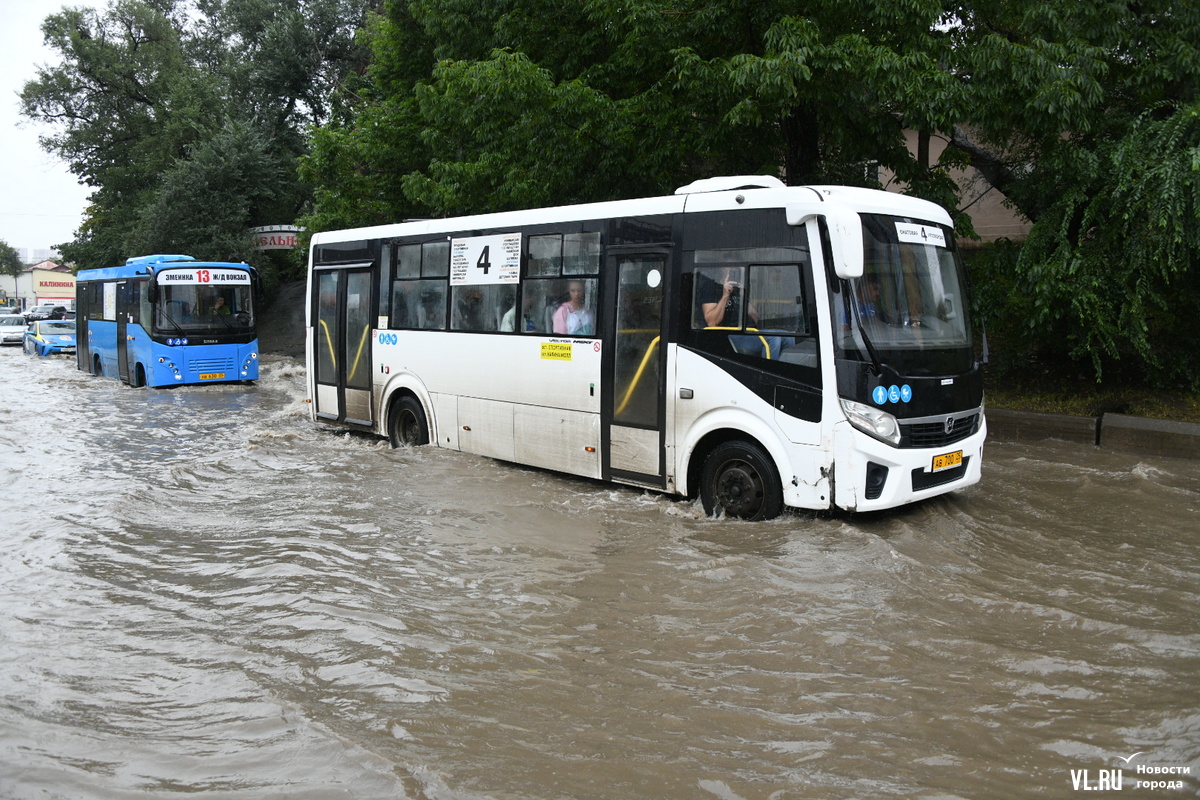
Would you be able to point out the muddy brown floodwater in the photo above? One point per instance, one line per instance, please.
(203, 594)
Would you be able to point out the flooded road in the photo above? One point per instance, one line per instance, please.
(204, 594)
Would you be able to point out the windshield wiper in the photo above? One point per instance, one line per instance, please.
(876, 362)
(162, 311)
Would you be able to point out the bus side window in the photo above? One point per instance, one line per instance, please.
(553, 300)
(581, 253)
(435, 259)
(480, 307)
(539, 300)
(431, 315)
(575, 314)
(408, 261)
(545, 255)
(714, 306)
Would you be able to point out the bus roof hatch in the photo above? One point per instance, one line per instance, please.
(156, 259)
(729, 183)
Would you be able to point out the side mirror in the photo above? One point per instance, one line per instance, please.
(845, 233)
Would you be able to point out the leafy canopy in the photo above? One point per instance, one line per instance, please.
(187, 119)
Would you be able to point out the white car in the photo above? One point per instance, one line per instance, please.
(12, 329)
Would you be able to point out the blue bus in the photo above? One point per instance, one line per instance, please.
(167, 320)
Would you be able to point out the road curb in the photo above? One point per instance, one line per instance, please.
(1157, 437)
(1111, 432)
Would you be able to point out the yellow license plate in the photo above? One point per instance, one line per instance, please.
(216, 376)
(947, 461)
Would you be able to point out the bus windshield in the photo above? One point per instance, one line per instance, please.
(911, 299)
(193, 308)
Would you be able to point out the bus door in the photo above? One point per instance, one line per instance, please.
(124, 309)
(635, 366)
(84, 294)
(342, 342)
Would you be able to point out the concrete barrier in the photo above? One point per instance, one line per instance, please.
(1006, 425)
(1121, 432)
(1157, 437)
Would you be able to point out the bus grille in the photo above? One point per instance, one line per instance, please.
(934, 434)
(205, 365)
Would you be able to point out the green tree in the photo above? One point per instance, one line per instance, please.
(155, 99)
(533, 102)
(1084, 115)
(123, 106)
(10, 265)
(530, 102)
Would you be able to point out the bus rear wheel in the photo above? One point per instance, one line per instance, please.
(740, 479)
(406, 424)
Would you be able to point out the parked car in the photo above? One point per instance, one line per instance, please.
(12, 329)
(47, 336)
(46, 312)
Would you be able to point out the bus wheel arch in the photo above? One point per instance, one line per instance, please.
(97, 367)
(734, 474)
(407, 423)
(137, 378)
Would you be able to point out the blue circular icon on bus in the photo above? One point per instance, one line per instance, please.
(880, 395)
(894, 394)
(906, 393)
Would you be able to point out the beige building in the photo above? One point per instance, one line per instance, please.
(985, 205)
(41, 284)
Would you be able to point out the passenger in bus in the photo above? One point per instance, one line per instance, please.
(508, 323)
(720, 307)
(720, 303)
(572, 317)
(468, 310)
(219, 308)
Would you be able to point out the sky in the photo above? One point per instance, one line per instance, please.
(41, 202)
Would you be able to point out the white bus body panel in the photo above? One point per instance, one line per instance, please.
(506, 397)
(721, 403)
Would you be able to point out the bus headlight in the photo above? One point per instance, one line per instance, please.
(872, 421)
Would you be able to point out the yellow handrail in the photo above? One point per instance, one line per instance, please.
(637, 376)
(358, 356)
(329, 339)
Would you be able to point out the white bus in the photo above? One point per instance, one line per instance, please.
(750, 343)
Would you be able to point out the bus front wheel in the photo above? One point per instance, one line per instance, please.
(406, 424)
(740, 479)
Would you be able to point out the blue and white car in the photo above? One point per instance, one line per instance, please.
(48, 336)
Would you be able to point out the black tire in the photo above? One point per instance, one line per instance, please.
(406, 424)
(740, 479)
(137, 379)
(97, 370)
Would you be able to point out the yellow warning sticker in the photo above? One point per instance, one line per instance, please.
(558, 351)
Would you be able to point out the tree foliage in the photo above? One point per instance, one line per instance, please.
(1084, 115)
(1082, 112)
(1079, 112)
(10, 261)
(187, 120)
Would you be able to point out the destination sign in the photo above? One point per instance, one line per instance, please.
(203, 276)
